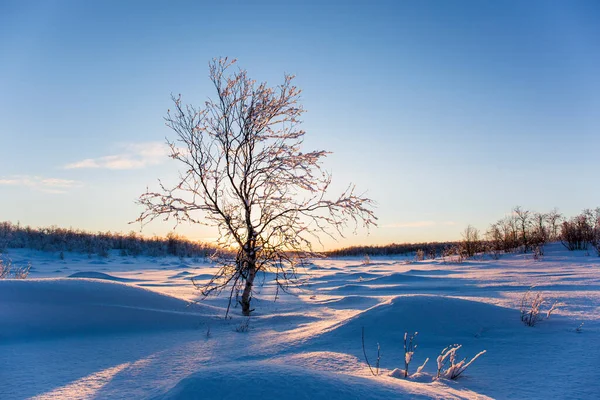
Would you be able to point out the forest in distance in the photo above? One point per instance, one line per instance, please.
(521, 230)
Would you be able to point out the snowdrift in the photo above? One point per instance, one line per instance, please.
(440, 321)
(99, 275)
(70, 306)
(261, 380)
(436, 316)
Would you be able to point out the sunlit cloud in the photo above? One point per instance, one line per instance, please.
(47, 185)
(418, 224)
(133, 156)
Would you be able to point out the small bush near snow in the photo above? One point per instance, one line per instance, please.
(244, 326)
(376, 372)
(531, 308)
(409, 350)
(366, 260)
(419, 255)
(453, 254)
(448, 368)
(10, 271)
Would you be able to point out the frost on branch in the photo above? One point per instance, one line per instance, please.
(448, 368)
(10, 271)
(531, 308)
(245, 172)
(409, 350)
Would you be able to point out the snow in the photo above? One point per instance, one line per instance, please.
(58, 307)
(124, 327)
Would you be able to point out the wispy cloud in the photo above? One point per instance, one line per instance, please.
(133, 156)
(417, 224)
(47, 185)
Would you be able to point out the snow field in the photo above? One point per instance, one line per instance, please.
(126, 328)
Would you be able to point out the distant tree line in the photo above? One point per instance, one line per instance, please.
(521, 231)
(528, 231)
(427, 250)
(55, 239)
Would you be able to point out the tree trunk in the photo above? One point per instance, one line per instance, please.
(245, 302)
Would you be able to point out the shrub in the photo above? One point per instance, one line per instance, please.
(471, 243)
(409, 350)
(9, 271)
(244, 326)
(582, 230)
(538, 252)
(366, 260)
(531, 308)
(448, 368)
(432, 253)
(365, 354)
(453, 254)
(419, 255)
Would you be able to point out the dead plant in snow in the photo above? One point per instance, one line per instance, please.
(448, 368)
(419, 255)
(409, 350)
(10, 271)
(376, 372)
(244, 326)
(531, 308)
(366, 260)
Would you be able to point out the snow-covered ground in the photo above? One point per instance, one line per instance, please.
(124, 327)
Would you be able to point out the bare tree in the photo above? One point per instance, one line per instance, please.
(494, 240)
(523, 218)
(245, 173)
(471, 243)
(539, 233)
(554, 219)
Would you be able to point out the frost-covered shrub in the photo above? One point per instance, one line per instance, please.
(10, 271)
(5, 268)
(531, 308)
(244, 326)
(366, 260)
(447, 365)
(448, 368)
(419, 255)
(453, 254)
(409, 350)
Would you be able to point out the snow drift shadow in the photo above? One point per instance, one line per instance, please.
(46, 308)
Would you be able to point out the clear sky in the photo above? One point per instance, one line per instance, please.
(447, 113)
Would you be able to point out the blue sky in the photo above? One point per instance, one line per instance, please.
(447, 113)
